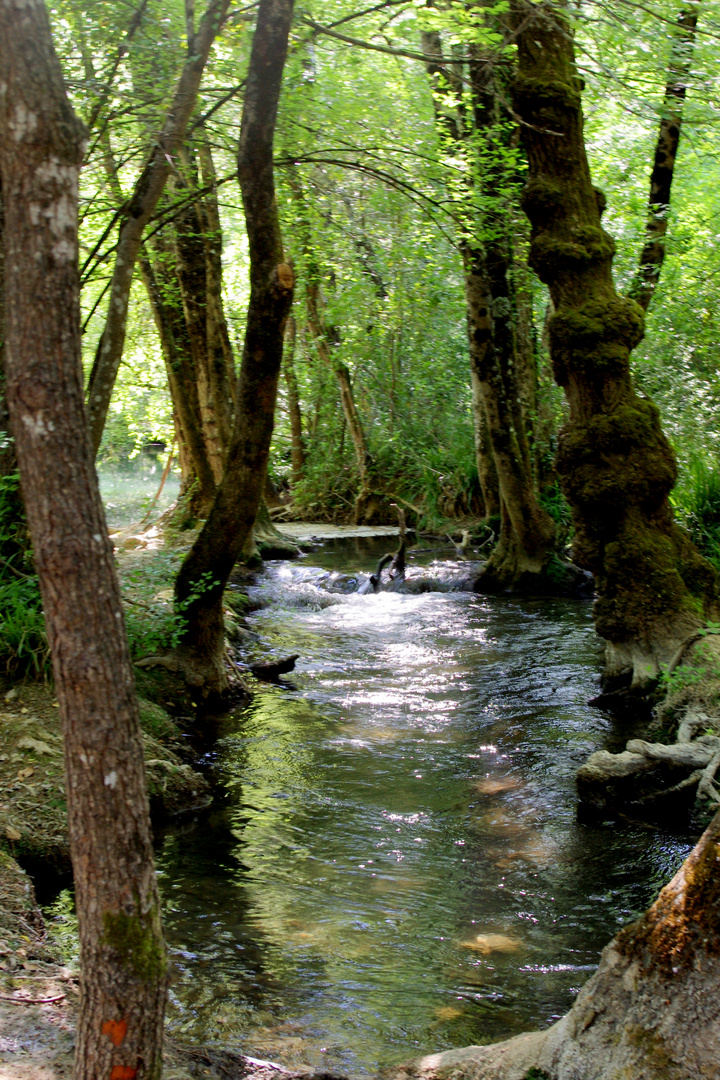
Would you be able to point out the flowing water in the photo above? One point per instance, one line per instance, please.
(397, 865)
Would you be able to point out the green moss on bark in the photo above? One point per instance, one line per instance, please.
(137, 940)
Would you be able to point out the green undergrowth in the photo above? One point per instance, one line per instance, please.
(696, 500)
(23, 642)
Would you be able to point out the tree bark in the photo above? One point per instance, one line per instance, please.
(652, 255)
(615, 464)
(137, 214)
(123, 963)
(204, 573)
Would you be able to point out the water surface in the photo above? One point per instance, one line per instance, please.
(397, 866)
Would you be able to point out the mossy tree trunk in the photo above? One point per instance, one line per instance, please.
(123, 960)
(615, 464)
(204, 574)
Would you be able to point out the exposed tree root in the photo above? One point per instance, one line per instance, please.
(649, 774)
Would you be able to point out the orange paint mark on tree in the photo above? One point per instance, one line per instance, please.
(123, 1072)
(115, 1030)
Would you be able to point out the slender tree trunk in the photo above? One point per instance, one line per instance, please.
(321, 336)
(123, 963)
(527, 532)
(616, 466)
(204, 573)
(196, 470)
(137, 214)
(297, 446)
(652, 255)
(198, 483)
(221, 362)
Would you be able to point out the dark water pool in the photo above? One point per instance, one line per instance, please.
(397, 866)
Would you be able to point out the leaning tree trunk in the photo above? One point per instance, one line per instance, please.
(615, 464)
(123, 962)
(204, 573)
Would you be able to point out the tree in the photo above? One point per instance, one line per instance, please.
(138, 211)
(204, 574)
(616, 466)
(652, 255)
(123, 981)
(473, 128)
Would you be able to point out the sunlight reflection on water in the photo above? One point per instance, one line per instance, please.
(397, 866)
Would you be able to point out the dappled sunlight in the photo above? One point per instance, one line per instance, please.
(401, 864)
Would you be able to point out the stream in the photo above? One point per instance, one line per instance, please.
(396, 865)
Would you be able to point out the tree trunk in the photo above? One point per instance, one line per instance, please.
(527, 532)
(484, 460)
(322, 335)
(137, 214)
(197, 475)
(221, 362)
(297, 446)
(319, 332)
(616, 466)
(652, 255)
(197, 245)
(204, 573)
(123, 963)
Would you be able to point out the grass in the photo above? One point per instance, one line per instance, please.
(697, 504)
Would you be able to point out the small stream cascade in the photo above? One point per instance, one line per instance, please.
(396, 865)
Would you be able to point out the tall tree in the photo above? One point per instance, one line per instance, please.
(473, 127)
(652, 255)
(616, 466)
(137, 213)
(204, 574)
(123, 962)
